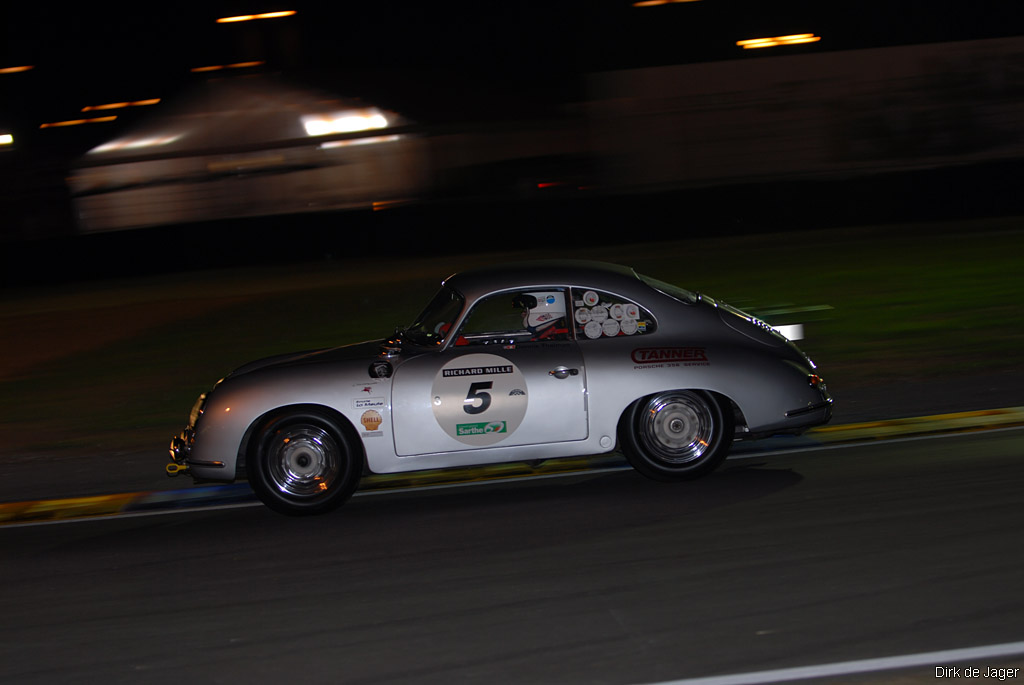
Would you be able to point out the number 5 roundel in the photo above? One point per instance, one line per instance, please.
(479, 399)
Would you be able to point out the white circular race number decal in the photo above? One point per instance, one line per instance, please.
(479, 399)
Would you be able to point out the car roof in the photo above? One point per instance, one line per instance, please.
(479, 281)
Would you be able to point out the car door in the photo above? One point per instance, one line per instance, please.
(512, 376)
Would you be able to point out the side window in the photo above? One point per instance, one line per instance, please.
(597, 314)
(517, 316)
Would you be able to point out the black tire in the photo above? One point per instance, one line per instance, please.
(302, 463)
(676, 435)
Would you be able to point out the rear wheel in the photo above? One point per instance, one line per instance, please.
(676, 435)
(302, 463)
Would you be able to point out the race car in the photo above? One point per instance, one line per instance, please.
(517, 362)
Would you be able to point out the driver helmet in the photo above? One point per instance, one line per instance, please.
(549, 309)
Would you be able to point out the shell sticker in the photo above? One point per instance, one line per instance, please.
(371, 419)
(479, 399)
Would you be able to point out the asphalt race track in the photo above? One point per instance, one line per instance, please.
(820, 556)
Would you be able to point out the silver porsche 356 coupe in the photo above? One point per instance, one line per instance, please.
(519, 362)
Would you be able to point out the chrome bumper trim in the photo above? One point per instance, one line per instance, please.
(826, 404)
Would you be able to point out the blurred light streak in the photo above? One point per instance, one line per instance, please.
(15, 70)
(6, 139)
(381, 205)
(76, 122)
(135, 143)
(359, 141)
(347, 122)
(754, 43)
(251, 17)
(120, 105)
(655, 3)
(218, 67)
(794, 331)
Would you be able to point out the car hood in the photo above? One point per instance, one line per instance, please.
(364, 350)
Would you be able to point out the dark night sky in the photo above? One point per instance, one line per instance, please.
(434, 61)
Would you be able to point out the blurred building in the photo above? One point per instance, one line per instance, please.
(255, 146)
(245, 147)
(830, 115)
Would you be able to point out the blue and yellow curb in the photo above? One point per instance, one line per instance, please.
(239, 494)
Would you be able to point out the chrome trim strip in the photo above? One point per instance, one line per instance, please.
(808, 410)
(196, 462)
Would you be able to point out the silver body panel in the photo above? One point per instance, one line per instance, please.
(457, 404)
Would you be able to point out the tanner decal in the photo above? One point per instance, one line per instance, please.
(658, 357)
(479, 399)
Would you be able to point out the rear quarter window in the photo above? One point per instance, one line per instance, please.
(599, 314)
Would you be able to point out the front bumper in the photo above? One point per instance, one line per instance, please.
(180, 448)
(182, 462)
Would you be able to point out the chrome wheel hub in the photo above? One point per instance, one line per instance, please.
(677, 428)
(304, 460)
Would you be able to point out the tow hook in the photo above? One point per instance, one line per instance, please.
(176, 469)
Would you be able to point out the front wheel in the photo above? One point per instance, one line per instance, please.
(676, 435)
(302, 463)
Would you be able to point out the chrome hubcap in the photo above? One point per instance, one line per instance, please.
(304, 461)
(677, 428)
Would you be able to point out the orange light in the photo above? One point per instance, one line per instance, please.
(76, 122)
(655, 3)
(15, 70)
(252, 17)
(794, 39)
(120, 105)
(218, 67)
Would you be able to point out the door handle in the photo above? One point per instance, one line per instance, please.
(563, 372)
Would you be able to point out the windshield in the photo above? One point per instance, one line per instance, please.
(681, 294)
(433, 324)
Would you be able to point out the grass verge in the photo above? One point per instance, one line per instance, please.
(115, 365)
